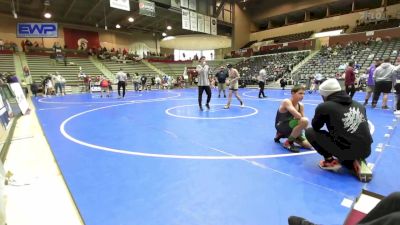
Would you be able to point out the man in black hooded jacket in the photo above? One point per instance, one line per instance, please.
(348, 139)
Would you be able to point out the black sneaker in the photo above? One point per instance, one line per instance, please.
(277, 138)
(295, 220)
(208, 106)
(385, 107)
(201, 108)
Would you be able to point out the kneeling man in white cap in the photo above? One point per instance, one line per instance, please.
(348, 139)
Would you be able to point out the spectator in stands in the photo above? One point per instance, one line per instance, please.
(27, 74)
(12, 78)
(387, 212)
(350, 79)
(290, 121)
(370, 79)
(348, 139)
(1, 44)
(383, 82)
(262, 77)
(122, 78)
(221, 76)
(203, 82)
(233, 84)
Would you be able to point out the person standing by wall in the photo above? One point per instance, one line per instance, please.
(203, 82)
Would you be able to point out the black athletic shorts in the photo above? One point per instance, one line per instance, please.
(383, 86)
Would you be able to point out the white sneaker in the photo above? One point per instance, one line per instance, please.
(397, 112)
(242, 105)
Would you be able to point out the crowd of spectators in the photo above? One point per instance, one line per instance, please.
(8, 45)
(276, 66)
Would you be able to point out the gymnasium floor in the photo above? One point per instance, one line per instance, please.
(153, 158)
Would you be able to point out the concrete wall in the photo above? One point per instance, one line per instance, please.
(241, 30)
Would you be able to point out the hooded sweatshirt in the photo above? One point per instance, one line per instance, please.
(347, 123)
(383, 72)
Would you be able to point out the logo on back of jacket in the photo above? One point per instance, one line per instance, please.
(353, 119)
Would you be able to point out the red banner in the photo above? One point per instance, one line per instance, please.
(81, 39)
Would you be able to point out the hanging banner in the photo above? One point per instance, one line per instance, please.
(185, 19)
(193, 21)
(214, 26)
(184, 4)
(147, 8)
(192, 5)
(120, 4)
(176, 3)
(207, 24)
(43, 30)
(200, 23)
(20, 97)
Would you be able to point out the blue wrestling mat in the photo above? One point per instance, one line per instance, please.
(153, 158)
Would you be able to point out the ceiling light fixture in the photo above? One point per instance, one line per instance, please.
(164, 34)
(130, 19)
(47, 15)
(169, 27)
(117, 26)
(13, 10)
(46, 11)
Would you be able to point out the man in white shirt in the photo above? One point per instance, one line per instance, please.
(203, 82)
(262, 76)
(121, 77)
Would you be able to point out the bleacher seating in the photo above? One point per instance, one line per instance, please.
(131, 68)
(42, 65)
(277, 65)
(7, 63)
(248, 44)
(172, 69)
(344, 27)
(290, 37)
(363, 55)
(377, 25)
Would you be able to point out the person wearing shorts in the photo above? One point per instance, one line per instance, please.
(383, 82)
(370, 81)
(233, 86)
(290, 121)
(221, 78)
(104, 87)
